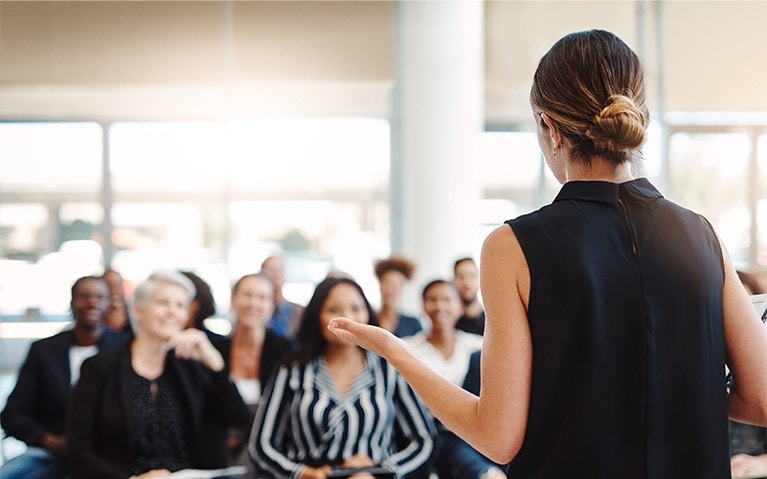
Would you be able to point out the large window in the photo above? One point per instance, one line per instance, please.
(714, 171)
(211, 197)
(759, 240)
(50, 210)
(216, 198)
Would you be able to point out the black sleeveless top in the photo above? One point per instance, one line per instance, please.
(625, 313)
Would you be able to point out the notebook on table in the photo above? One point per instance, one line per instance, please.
(233, 472)
(377, 472)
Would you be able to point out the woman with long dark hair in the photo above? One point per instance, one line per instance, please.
(333, 405)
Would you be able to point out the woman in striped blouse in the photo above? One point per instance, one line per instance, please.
(332, 405)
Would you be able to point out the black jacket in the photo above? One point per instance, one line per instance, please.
(99, 423)
(39, 401)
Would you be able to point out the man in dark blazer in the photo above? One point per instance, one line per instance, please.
(35, 412)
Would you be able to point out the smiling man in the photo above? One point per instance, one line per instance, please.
(35, 412)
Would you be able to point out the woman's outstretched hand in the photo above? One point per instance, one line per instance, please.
(373, 338)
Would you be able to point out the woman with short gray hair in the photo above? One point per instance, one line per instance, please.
(137, 411)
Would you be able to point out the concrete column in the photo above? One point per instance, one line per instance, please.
(107, 199)
(438, 112)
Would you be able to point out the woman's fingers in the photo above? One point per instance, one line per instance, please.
(372, 338)
(360, 334)
(340, 327)
(193, 344)
(185, 343)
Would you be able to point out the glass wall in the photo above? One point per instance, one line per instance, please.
(50, 210)
(720, 173)
(214, 198)
(217, 198)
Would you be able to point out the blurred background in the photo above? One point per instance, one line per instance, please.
(208, 135)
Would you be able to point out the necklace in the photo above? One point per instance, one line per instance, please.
(246, 353)
(246, 359)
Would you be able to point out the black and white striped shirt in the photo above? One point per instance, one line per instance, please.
(304, 421)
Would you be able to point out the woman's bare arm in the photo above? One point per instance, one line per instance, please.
(495, 422)
(746, 346)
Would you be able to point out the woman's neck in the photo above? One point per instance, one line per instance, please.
(339, 354)
(148, 356)
(344, 363)
(248, 337)
(245, 354)
(443, 340)
(598, 170)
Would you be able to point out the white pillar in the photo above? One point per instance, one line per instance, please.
(437, 115)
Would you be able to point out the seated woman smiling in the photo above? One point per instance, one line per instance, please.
(333, 406)
(138, 411)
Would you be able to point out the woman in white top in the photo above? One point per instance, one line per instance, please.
(444, 348)
(253, 350)
(448, 351)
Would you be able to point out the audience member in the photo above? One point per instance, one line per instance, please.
(36, 408)
(611, 313)
(447, 351)
(392, 274)
(285, 320)
(138, 410)
(748, 444)
(444, 348)
(253, 351)
(202, 307)
(332, 405)
(466, 276)
(117, 316)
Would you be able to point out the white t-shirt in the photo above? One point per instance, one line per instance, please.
(249, 389)
(453, 368)
(78, 354)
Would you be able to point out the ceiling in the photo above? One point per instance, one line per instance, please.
(113, 60)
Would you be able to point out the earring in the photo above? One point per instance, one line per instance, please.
(554, 150)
